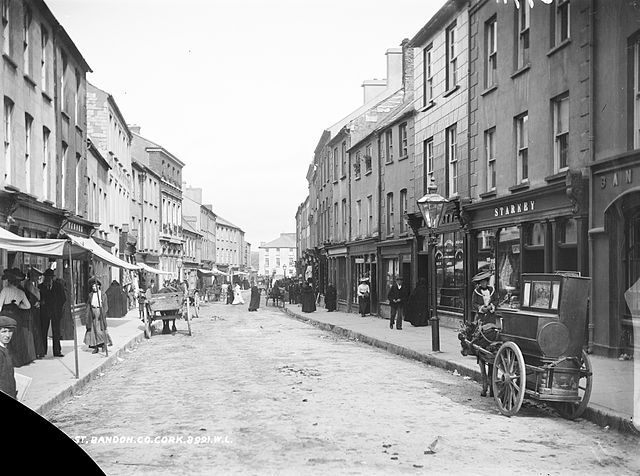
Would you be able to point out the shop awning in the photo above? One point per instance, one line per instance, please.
(149, 269)
(37, 246)
(211, 272)
(99, 252)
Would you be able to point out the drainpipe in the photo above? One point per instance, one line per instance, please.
(592, 154)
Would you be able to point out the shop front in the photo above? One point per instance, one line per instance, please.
(615, 252)
(337, 264)
(541, 230)
(395, 258)
(362, 256)
(449, 258)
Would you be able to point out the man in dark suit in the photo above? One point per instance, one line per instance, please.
(398, 295)
(52, 299)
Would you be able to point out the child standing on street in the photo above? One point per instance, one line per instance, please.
(7, 378)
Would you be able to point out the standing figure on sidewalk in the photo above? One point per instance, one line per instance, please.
(32, 291)
(237, 294)
(7, 377)
(308, 296)
(417, 309)
(96, 317)
(398, 295)
(330, 298)
(117, 300)
(15, 304)
(254, 303)
(52, 299)
(363, 296)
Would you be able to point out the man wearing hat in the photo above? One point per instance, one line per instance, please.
(52, 299)
(363, 296)
(484, 298)
(7, 377)
(398, 295)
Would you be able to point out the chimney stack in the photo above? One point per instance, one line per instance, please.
(373, 87)
(394, 68)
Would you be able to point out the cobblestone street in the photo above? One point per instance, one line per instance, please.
(260, 393)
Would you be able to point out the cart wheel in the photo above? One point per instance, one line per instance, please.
(571, 411)
(509, 379)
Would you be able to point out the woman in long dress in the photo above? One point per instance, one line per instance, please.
(15, 304)
(96, 318)
(32, 292)
(237, 295)
(254, 303)
(308, 297)
(330, 298)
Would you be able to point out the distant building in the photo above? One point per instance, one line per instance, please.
(230, 247)
(278, 256)
(111, 136)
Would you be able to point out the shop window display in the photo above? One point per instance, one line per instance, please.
(450, 271)
(508, 266)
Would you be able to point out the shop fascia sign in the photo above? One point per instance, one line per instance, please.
(515, 208)
(624, 176)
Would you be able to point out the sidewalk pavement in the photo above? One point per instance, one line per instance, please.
(611, 402)
(54, 379)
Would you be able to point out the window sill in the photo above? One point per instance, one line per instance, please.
(357, 177)
(389, 236)
(388, 162)
(560, 46)
(559, 177)
(8, 59)
(29, 80)
(519, 188)
(404, 234)
(451, 91)
(526, 67)
(489, 194)
(403, 157)
(490, 89)
(368, 172)
(46, 96)
(65, 115)
(79, 129)
(335, 182)
(427, 107)
(343, 177)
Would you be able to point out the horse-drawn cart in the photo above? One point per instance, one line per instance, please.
(168, 306)
(537, 351)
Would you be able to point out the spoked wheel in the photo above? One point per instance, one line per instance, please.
(572, 411)
(509, 379)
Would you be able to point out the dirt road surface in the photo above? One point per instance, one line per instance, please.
(261, 393)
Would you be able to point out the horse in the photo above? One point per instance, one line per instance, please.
(474, 335)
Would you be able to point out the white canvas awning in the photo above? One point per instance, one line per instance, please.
(149, 269)
(37, 246)
(211, 272)
(99, 252)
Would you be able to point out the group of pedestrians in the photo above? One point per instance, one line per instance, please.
(35, 302)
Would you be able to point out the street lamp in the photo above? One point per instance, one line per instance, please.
(179, 264)
(431, 206)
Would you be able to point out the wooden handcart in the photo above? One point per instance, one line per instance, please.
(538, 351)
(169, 306)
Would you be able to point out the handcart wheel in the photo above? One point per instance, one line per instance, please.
(571, 411)
(509, 379)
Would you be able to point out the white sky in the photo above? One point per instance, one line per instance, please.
(240, 90)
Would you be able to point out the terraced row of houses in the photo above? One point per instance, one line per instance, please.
(528, 121)
(72, 165)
